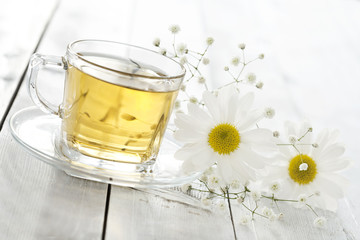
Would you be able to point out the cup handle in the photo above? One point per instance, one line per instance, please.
(36, 63)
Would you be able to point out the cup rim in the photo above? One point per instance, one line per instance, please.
(73, 52)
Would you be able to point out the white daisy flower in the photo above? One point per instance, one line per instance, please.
(224, 135)
(307, 171)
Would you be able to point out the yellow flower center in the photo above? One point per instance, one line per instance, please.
(224, 138)
(298, 174)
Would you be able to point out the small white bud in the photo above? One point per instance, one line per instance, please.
(242, 46)
(245, 219)
(276, 134)
(206, 61)
(292, 139)
(209, 41)
(240, 199)
(320, 222)
(183, 60)
(201, 80)
(235, 61)
(315, 145)
(310, 129)
(235, 184)
(174, 28)
(303, 167)
(186, 187)
(205, 202)
(259, 85)
(269, 112)
(181, 49)
(193, 100)
(317, 193)
(162, 51)
(261, 56)
(177, 104)
(221, 205)
(183, 88)
(251, 78)
(280, 216)
(156, 42)
(226, 68)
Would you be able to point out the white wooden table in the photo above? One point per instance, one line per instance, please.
(311, 70)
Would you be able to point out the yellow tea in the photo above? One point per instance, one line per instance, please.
(113, 122)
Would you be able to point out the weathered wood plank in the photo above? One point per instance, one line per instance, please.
(21, 26)
(135, 214)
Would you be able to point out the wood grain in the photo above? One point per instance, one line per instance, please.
(21, 27)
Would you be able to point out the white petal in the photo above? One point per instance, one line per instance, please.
(189, 150)
(332, 151)
(250, 157)
(188, 135)
(260, 140)
(199, 161)
(329, 186)
(212, 105)
(198, 113)
(225, 170)
(250, 119)
(333, 165)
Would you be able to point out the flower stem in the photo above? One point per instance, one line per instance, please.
(231, 215)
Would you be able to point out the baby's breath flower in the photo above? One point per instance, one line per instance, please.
(269, 112)
(276, 134)
(302, 199)
(201, 79)
(182, 49)
(320, 222)
(292, 139)
(255, 195)
(183, 60)
(174, 28)
(183, 88)
(226, 68)
(242, 46)
(156, 42)
(206, 61)
(259, 85)
(205, 202)
(261, 56)
(193, 100)
(214, 181)
(275, 187)
(240, 199)
(251, 78)
(268, 212)
(235, 61)
(221, 205)
(162, 51)
(209, 41)
(235, 184)
(186, 187)
(245, 219)
(303, 167)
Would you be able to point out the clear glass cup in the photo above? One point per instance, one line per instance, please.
(116, 104)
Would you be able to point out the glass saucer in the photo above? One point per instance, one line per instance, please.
(37, 132)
